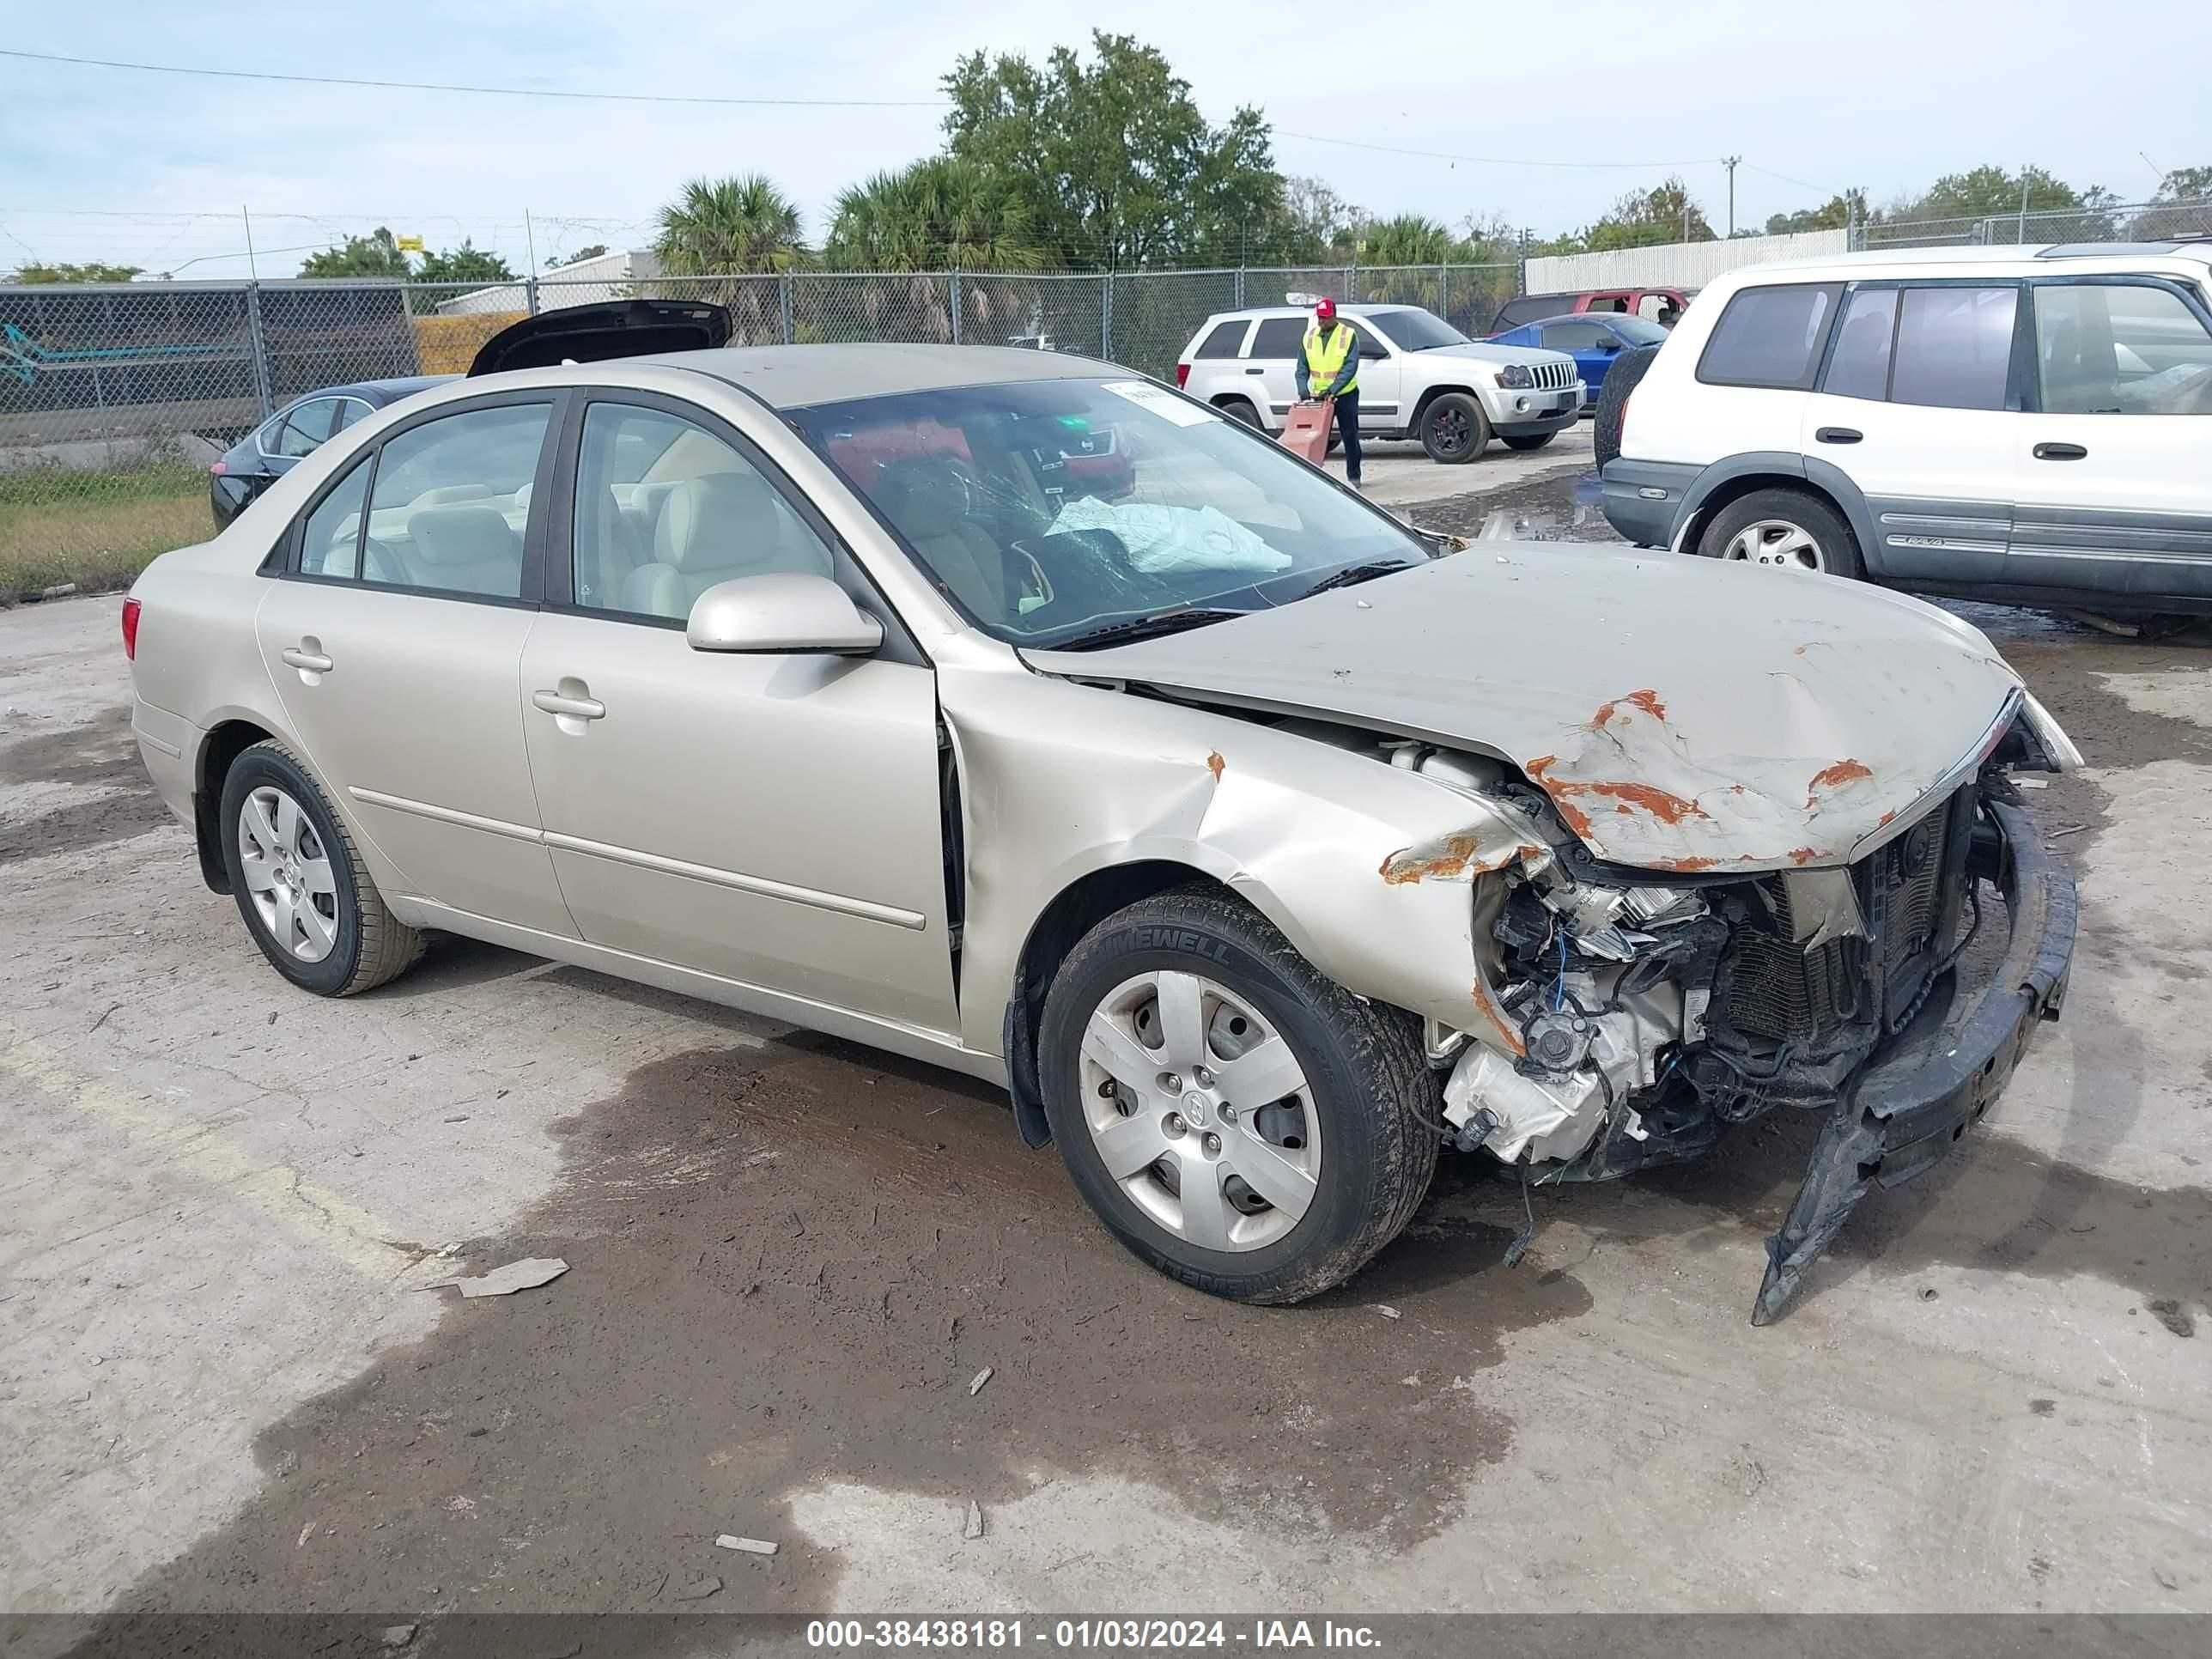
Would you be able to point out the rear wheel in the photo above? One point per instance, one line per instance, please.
(1782, 529)
(300, 881)
(1453, 429)
(1238, 408)
(1629, 367)
(1236, 1120)
(1530, 440)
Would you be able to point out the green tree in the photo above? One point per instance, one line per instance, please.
(937, 214)
(554, 261)
(2185, 184)
(1112, 158)
(1313, 225)
(94, 272)
(1837, 213)
(1411, 240)
(375, 255)
(729, 227)
(1649, 218)
(464, 263)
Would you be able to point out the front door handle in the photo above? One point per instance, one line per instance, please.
(574, 708)
(1839, 434)
(1255, 371)
(2060, 453)
(307, 661)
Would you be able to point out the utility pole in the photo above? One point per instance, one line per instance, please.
(252, 272)
(1729, 162)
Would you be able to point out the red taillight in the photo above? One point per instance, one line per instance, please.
(131, 630)
(1183, 374)
(220, 468)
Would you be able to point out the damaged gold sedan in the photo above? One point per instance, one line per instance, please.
(1002, 710)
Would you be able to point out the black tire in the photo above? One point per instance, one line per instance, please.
(1453, 429)
(1839, 550)
(372, 945)
(1620, 380)
(1239, 409)
(1375, 1095)
(1529, 441)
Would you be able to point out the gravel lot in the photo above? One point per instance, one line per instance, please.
(226, 1388)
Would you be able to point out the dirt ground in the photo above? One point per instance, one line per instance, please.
(789, 1259)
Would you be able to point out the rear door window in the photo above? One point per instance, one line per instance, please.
(1225, 340)
(1573, 337)
(1859, 366)
(1770, 337)
(1953, 347)
(1279, 336)
(452, 501)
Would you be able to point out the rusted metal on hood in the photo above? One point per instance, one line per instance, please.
(1216, 765)
(1834, 777)
(1596, 671)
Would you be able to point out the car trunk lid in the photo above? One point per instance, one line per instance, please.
(610, 328)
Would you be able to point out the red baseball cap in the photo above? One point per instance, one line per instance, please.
(1325, 306)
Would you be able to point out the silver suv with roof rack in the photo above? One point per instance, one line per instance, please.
(2024, 424)
(1418, 378)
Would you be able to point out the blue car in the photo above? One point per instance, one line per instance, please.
(1595, 339)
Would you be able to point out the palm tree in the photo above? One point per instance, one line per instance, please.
(742, 230)
(937, 215)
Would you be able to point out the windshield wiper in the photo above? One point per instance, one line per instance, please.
(1146, 628)
(1357, 572)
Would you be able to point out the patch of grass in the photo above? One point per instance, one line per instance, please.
(97, 530)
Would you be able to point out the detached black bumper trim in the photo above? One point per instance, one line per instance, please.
(1910, 1106)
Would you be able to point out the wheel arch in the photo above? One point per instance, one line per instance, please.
(1430, 394)
(224, 742)
(1731, 480)
(1073, 911)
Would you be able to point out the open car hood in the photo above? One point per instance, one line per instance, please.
(1682, 714)
(610, 328)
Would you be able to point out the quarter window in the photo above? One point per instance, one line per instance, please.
(1224, 339)
(665, 509)
(1953, 347)
(1770, 337)
(330, 544)
(2120, 349)
(1279, 336)
(1859, 366)
(452, 499)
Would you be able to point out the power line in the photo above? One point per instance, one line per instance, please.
(496, 92)
(1802, 184)
(1484, 160)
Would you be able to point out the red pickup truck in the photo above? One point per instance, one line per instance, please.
(1661, 305)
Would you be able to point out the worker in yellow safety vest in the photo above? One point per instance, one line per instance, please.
(1328, 367)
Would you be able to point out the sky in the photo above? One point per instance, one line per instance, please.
(161, 171)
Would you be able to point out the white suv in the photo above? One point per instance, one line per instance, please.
(1418, 378)
(2030, 425)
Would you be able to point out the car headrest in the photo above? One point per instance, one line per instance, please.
(446, 494)
(462, 535)
(925, 497)
(719, 522)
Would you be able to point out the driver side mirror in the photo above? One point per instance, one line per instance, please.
(1608, 346)
(786, 612)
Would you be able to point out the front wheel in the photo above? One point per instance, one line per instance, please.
(1530, 441)
(1453, 429)
(1238, 1121)
(1784, 530)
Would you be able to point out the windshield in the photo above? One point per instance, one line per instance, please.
(1416, 331)
(1639, 331)
(1049, 510)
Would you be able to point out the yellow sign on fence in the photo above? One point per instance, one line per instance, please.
(411, 243)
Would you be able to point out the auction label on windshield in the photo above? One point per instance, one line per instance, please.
(1259, 1634)
(1161, 402)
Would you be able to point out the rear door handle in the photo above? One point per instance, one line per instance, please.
(1839, 434)
(1255, 371)
(2060, 453)
(576, 708)
(307, 661)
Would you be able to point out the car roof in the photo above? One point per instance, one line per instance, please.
(1855, 264)
(377, 391)
(798, 376)
(1348, 307)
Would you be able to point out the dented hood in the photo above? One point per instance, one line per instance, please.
(1682, 714)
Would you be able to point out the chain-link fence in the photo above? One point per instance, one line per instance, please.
(2137, 221)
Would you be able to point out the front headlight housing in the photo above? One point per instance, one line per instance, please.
(1517, 376)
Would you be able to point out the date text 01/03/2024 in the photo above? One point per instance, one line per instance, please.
(1079, 1634)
